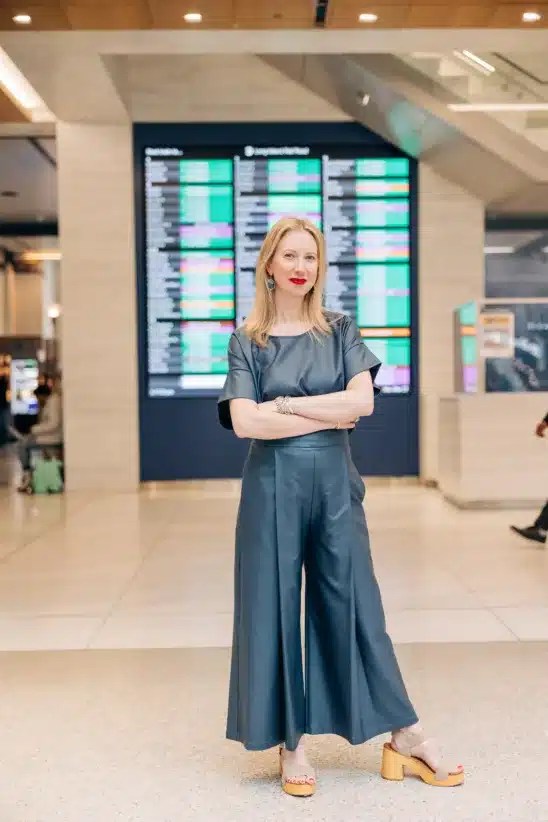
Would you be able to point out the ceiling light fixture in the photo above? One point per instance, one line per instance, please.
(499, 249)
(470, 61)
(193, 17)
(486, 107)
(41, 256)
(477, 61)
(531, 16)
(16, 84)
(54, 311)
(22, 19)
(368, 17)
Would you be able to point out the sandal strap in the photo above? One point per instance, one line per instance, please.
(427, 751)
(411, 743)
(292, 770)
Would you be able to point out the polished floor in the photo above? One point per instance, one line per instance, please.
(121, 606)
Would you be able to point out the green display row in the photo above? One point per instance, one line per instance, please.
(207, 353)
(222, 171)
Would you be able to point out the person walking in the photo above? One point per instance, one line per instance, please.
(299, 379)
(538, 530)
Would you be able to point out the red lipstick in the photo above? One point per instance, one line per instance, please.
(297, 280)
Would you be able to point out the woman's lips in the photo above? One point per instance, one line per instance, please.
(297, 280)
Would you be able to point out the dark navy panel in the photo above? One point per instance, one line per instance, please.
(181, 438)
(228, 134)
(384, 444)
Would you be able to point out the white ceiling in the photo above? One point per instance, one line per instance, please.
(19, 244)
(217, 75)
(27, 166)
(276, 41)
(534, 64)
(216, 88)
(517, 239)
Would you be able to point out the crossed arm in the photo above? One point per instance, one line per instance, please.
(317, 413)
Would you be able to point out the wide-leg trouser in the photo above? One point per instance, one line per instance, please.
(302, 505)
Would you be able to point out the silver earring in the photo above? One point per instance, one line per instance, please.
(270, 283)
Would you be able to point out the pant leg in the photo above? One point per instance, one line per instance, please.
(353, 681)
(542, 519)
(24, 448)
(4, 422)
(266, 696)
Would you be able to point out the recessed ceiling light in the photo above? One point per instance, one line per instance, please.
(473, 59)
(41, 256)
(193, 17)
(531, 17)
(22, 19)
(368, 17)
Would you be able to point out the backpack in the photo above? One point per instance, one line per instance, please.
(46, 476)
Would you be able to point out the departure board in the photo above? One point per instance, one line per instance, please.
(205, 220)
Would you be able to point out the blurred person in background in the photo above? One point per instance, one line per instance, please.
(538, 530)
(47, 431)
(4, 405)
(42, 392)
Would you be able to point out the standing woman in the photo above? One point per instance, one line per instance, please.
(299, 379)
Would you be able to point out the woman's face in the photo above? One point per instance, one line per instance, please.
(294, 265)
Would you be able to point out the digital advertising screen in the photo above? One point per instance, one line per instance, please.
(527, 368)
(206, 215)
(23, 383)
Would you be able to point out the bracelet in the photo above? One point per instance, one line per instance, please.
(283, 406)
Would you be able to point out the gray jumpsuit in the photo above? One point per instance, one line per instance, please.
(302, 505)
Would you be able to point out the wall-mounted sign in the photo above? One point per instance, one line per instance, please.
(496, 334)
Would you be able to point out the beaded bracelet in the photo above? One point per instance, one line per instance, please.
(283, 406)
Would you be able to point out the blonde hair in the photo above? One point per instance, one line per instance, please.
(263, 314)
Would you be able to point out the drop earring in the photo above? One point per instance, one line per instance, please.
(270, 283)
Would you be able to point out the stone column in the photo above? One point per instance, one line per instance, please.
(99, 306)
(451, 271)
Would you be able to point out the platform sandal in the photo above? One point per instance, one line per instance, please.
(296, 780)
(410, 751)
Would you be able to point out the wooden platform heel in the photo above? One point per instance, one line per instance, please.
(296, 780)
(410, 752)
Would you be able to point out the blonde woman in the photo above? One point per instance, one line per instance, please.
(299, 379)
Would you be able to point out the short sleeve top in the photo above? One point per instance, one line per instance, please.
(298, 366)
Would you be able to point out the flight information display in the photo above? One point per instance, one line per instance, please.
(205, 220)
